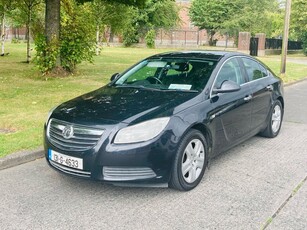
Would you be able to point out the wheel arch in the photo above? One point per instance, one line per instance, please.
(281, 99)
(207, 134)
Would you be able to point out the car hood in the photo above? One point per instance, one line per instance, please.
(111, 105)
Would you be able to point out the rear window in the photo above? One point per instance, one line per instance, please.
(254, 70)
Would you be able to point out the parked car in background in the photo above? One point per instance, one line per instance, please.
(162, 120)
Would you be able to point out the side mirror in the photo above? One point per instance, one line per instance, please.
(115, 76)
(227, 87)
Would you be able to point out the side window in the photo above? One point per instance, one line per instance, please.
(263, 71)
(230, 71)
(254, 69)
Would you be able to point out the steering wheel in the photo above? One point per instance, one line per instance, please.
(154, 78)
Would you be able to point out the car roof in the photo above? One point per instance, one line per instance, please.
(198, 54)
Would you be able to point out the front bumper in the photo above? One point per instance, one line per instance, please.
(140, 163)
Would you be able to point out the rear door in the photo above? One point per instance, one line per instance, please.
(261, 92)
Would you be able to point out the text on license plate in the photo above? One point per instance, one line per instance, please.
(63, 159)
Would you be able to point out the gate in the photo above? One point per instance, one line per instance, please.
(253, 47)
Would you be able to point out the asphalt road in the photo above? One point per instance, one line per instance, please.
(260, 183)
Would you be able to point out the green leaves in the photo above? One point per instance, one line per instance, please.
(77, 36)
(150, 38)
(77, 40)
(237, 15)
(155, 15)
(298, 17)
(138, 3)
(209, 14)
(46, 55)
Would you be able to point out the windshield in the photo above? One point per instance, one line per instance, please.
(168, 74)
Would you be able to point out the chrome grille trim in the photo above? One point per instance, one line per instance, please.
(70, 171)
(127, 173)
(83, 138)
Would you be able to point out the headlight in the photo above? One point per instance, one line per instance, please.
(141, 132)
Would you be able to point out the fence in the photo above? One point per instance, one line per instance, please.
(276, 44)
(184, 37)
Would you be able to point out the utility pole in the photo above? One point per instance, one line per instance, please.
(285, 39)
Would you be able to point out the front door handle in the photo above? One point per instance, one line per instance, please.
(248, 98)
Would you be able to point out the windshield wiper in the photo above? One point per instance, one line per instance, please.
(131, 86)
(137, 87)
(182, 90)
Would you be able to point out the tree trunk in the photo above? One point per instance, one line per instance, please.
(52, 25)
(226, 45)
(28, 35)
(97, 40)
(2, 34)
(211, 34)
(111, 36)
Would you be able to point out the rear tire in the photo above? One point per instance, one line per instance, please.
(275, 121)
(190, 162)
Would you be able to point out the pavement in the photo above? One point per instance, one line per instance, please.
(260, 184)
(20, 157)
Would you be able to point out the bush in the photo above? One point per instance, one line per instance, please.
(77, 41)
(46, 56)
(304, 40)
(77, 44)
(130, 36)
(150, 38)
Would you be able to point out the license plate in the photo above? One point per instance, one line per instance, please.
(72, 162)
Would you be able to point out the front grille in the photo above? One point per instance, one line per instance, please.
(79, 138)
(127, 173)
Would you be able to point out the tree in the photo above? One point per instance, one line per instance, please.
(107, 18)
(25, 13)
(5, 7)
(211, 15)
(233, 16)
(76, 44)
(254, 16)
(52, 26)
(145, 21)
(298, 17)
(29, 6)
(298, 25)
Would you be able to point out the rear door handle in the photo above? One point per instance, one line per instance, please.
(248, 98)
(269, 87)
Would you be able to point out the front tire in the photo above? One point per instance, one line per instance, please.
(190, 162)
(275, 121)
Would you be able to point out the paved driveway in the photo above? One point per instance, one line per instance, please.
(260, 183)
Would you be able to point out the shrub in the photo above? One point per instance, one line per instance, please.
(150, 38)
(130, 36)
(46, 56)
(304, 40)
(77, 42)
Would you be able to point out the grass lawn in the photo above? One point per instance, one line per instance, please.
(26, 96)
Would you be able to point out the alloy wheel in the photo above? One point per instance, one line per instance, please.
(276, 118)
(193, 160)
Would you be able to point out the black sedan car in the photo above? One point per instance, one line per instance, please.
(162, 120)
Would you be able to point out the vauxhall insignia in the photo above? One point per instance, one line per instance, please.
(68, 132)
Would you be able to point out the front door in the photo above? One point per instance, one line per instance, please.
(231, 114)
